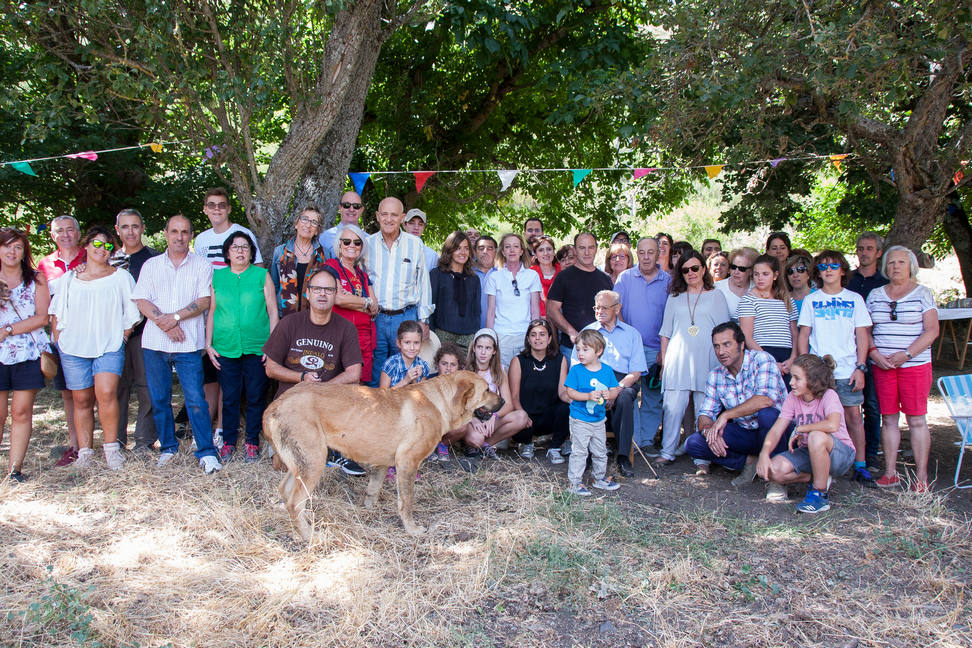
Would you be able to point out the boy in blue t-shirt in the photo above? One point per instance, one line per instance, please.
(589, 384)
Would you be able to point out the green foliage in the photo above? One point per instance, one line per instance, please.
(62, 612)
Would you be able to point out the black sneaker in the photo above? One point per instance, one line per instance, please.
(16, 476)
(863, 477)
(336, 460)
(472, 452)
(624, 467)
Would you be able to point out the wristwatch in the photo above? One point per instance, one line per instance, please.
(862, 367)
(9, 329)
(175, 316)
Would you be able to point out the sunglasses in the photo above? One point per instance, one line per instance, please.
(823, 266)
(894, 311)
(103, 244)
(350, 205)
(516, 289)
(688, 269)
(795, 269)
(733, 266)
(354, 242)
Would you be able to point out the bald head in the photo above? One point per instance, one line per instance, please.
(390, 214)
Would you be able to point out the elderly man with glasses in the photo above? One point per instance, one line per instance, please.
(624, 353)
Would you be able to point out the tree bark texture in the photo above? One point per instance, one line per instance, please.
(959, 232)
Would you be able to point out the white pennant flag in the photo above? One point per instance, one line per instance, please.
(506, 177)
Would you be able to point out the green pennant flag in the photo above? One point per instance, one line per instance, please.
(24, 168)
(580, 174)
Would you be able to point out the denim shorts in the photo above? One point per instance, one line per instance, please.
(848, 397)
(79, 372)
(841, 459)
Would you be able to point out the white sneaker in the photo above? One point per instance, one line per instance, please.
(604, 484)
(164, 458)
(113, 456)
(85, 455)
(526, 450)
(776, 492)
(210, 464)
(218, 438)
(555, 457)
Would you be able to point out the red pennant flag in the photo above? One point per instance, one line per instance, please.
(420, 179)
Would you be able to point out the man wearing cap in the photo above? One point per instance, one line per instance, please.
(415, 222)
(350, 210)
(396, 263)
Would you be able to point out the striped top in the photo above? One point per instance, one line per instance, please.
(891, 336)
(172, 288)
(399, 275)
(771, 323)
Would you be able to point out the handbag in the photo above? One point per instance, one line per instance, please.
(48, 362)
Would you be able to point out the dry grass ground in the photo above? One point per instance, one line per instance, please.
(154, 557)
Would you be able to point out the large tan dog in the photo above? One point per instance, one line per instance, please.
(379, 427)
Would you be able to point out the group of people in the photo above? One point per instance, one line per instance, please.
(763, 359)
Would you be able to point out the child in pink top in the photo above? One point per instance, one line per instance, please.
(819, 443)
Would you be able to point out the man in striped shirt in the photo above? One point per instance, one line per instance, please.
(395, 261)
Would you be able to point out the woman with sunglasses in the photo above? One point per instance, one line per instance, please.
(905, 326)
(353, 300)
(23, 314)
(242, 313)
(740, 278)
(455, 293)
(693, 309)
(296, 260)
(512, 297)
(537, 377)
(718, 264)
(798, 279)
(92, 316)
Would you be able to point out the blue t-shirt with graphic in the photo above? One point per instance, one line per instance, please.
(582, 379)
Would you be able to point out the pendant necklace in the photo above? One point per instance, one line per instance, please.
(693, 330)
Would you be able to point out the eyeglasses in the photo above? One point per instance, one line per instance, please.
(219, 205)
(355, 242)
(103, 244)
(688, 269)
(309, 221)
(619, 257)
(894, 311)
(350, 205)
(242, 247)
(795, 269)
(733, 266)
(823, 266)
(516, 289)
(600, 307)
(327, 290)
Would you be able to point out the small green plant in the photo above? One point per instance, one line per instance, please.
(62, 611)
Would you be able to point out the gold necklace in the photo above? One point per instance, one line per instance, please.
(693, 330)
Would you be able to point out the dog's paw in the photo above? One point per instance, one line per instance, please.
(415, 530)
(369, 502)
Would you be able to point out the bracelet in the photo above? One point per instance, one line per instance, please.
(302, 374)
(908, 353)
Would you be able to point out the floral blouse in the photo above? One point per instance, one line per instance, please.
(26, 346)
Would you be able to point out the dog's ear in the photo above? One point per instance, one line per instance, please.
(465, 392)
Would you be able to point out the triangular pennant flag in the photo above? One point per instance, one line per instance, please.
(156, 147)
(506, 177)
(640, 173)
(776, 162)
(421, 177)
(957, 178)
(24, 168)
(359, 180)
(713, 170)
(41, 227)
(580, 174)
(835, 159)
(87, 155)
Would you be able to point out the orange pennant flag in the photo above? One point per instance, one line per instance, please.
(156, 147)
(713, 170)
(835, 159)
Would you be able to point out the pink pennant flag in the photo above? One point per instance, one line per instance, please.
(421, 177)
(776, 162)
(87, 155)
(640, 173)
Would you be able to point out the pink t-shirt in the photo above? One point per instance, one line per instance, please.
(801, 412)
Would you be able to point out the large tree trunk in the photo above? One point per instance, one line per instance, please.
(959, 232)
(325, 176)
(914, 219)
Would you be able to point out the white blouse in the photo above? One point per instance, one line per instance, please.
(93, 316)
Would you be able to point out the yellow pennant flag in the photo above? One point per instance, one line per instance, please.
(835, 159)
(713, 170)
(156, 147)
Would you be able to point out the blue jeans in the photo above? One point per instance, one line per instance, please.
(386, 334)
(649, 415)
(872, 415)
(189, 369)
(239, 376)
(741, 442)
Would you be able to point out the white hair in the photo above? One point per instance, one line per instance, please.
(357, 232)
(911, 258)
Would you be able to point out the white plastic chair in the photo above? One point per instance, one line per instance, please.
(957, 391)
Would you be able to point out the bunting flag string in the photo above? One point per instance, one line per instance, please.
(24, 165)
(421, 177)
(506, 178)
(359, 180)
(580, 174)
